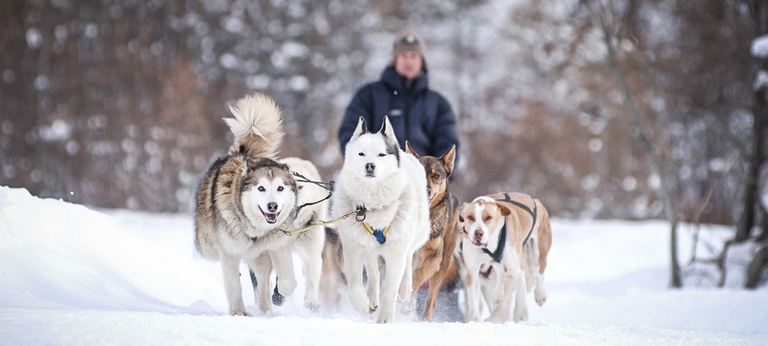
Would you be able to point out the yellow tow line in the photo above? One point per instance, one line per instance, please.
(300, 230)
(381, 235)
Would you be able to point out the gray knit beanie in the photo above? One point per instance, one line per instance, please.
(409, 41)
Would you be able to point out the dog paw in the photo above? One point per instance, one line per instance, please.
(495, 319)
(472, 317)
(265, 307)
(277, 298)
(314, 307)
(240, 313)
(286, 287)
(386, 319)
(408, 306)
(361, 303)
(520, 316)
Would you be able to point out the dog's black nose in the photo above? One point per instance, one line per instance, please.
(478, 234)
(370, 167)
(272, 207)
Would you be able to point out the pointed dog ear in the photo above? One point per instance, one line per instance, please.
(361, 129)
(251, 163)
(449, 158)
(389, 133)
(410, 150)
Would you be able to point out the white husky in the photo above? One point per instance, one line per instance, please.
(385, 190)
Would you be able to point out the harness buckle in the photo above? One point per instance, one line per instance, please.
(360, 217)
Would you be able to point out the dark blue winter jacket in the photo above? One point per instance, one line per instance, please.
(417, 113)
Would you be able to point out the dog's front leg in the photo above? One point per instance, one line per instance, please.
(473, 298)
(353, 262)
(282, 259)
(521, 304)
(230, 267)
(428, 266)
(493, 289)
(406, 287)
(514, 283)
(395, 264)
(373, 272)
(428, 269)
(313, 267)
(435, 283)
(500, 313)
(261, 267)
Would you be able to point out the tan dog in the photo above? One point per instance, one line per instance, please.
(435, 259)
(509, 232)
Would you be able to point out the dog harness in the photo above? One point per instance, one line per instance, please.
(533, 213)
(499, 253)
(380, 234)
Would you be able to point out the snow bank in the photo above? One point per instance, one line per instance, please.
(54, 254)
(72, 275)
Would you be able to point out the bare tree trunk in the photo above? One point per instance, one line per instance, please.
(629, 104)
(752, 207)
(755, 269)
(751, 202)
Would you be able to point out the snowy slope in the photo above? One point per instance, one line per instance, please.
(73, 275)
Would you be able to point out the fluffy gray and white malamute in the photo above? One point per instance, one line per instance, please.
(242, 202)
(386, 188)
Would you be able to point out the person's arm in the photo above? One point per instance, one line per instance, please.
(360, 106)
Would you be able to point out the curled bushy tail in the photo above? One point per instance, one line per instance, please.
(257, 126)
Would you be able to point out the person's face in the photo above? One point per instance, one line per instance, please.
(408, 64)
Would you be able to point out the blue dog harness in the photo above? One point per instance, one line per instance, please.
(380, 234)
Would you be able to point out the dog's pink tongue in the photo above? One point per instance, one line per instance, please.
(271, 218)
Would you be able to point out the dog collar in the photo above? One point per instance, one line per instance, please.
(499, 253)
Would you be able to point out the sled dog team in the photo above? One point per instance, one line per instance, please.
(398, 225)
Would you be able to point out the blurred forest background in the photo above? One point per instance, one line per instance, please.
(119, 104)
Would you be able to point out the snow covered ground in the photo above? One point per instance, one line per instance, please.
(74, 275)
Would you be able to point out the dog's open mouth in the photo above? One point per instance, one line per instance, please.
(270, 217)
(479, 244)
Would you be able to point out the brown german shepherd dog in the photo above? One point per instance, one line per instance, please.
(435, 260)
